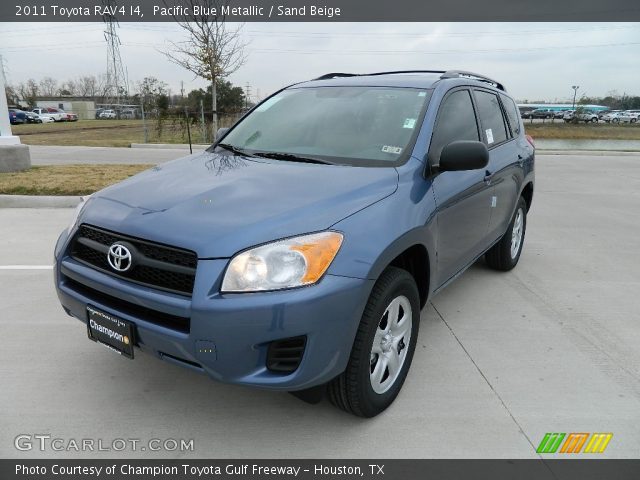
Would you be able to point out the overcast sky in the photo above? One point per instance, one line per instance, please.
(534, 60)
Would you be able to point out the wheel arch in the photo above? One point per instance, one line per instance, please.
(411, 253)
(527, 194)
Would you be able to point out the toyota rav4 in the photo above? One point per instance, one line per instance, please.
(297, 252)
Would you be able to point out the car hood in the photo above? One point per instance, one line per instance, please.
(217, 205)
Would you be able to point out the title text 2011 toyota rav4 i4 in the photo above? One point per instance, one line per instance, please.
(296, 253)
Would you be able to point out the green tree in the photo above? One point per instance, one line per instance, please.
(229, 98)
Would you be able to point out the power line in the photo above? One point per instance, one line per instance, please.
(280, 33)
(351, 52)
(439, 52)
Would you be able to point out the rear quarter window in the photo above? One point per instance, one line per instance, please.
(512, 114)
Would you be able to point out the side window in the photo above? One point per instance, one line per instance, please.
(512, 113)
(456, 121)
(491, 119)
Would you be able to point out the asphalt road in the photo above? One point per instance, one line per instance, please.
(502, 358)
(56, 155)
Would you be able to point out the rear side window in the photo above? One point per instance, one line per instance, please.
(491, 117)
(512, 114)
(456, 121)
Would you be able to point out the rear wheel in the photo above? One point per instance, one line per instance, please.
(383, 348)
(505, 254)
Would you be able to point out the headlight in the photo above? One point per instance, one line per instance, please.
(76, 214)
(288, 263)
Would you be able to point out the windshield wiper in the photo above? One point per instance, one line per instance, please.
(292, 157)
(234, 149)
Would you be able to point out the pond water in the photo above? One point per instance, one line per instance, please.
(583, 144)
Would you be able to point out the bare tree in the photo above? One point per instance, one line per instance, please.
(212, 50)
(87, 86)
(69, 87)
(12, 95)
(49, 86)
(29, 91)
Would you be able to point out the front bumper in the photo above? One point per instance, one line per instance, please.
(227, 335)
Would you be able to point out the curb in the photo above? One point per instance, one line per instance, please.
(38, 201)
(170, 146)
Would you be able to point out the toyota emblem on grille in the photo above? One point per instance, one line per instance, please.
(119, 257)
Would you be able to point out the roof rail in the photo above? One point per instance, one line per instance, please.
(397, 72)
(328, 76)
(474, 76)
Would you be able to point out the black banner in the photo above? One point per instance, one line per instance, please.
(552, 469)
(322, 10)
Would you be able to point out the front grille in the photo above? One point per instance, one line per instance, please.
(284, 356)
(154, 265)
(174, 322)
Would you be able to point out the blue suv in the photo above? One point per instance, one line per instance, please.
(296, 253)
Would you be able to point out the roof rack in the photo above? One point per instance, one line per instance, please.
(328, 76)
(473, 76)
(443, 75)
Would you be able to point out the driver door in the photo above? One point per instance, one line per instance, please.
(463, 198)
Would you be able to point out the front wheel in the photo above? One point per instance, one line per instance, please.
(505, 254)
(383, 348)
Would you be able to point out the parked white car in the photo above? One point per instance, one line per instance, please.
(44, 118)
(108, 114)
(611, 117)
(58, 116)
(581, 116)
(629, 116)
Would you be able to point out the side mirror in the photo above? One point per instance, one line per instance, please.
(463, 155)
(220, 133)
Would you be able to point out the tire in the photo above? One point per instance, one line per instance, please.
(633, 120)
(616, 120)
(505, 254)
(594, 120)
(362, 389)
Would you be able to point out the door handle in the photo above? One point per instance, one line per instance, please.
(487, 176)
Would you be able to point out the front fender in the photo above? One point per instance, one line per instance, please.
(375, 236)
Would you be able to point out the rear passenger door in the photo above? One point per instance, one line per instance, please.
(463, 198)
(503, 169)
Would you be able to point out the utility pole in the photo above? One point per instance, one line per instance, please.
(247, 95)
(3, 69)
(575, 92)
(203, 126)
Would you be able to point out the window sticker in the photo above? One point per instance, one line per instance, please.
(267, 104)
(489, 134)
(409, 123)
(391, 149)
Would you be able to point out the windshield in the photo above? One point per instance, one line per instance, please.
(345, 125)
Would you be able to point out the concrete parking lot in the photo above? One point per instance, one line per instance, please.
(502, 358)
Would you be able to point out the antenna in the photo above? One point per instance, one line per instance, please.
(117, 82)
